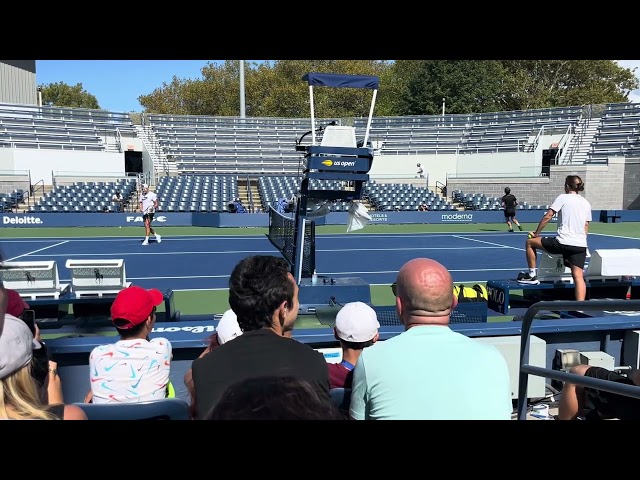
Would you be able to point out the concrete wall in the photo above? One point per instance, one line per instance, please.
(606, 186)
(631, 193)
(436, 167)
(43, 163)
(15, 180)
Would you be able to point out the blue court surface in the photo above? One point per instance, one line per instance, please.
(205, 262)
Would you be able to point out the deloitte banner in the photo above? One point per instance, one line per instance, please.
(91, 219)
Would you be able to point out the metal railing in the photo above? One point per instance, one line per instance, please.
(560, 305)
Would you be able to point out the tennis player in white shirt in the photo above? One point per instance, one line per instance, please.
(148, 207)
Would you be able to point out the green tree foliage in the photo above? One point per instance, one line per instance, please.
(272, 89)
(555, 83)
(407, 87)
(62, 95)
(467, 86)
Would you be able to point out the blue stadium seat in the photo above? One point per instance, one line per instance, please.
(166, 409)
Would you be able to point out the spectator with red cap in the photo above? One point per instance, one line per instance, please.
(16, 305)
(135, 368)
(356, 328)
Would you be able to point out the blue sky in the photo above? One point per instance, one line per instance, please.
(117, 84)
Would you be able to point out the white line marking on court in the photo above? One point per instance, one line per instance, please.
(186, 277)
(613, 236)
(488, 243)
(257, 236)
(39, 250)
(451, 270)
(128, 254)
(332, 250)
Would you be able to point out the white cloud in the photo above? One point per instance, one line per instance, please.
(634, 96)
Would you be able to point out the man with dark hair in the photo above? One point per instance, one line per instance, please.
(135, 368)
(118, 200)
(264, 296)
(578, 402)
(274, 398)
(509, 203)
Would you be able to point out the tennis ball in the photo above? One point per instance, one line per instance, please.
(530, 235)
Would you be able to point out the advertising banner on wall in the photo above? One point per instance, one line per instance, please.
(262, 219)
(91, 219)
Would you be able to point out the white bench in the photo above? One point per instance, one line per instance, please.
(33, 280)
(97, 277)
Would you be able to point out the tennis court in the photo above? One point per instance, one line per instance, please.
(197, 262)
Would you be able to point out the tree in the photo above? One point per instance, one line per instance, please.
(62, 95)
(467, 86)
(407, 87)
(557, 83)
(272, 89)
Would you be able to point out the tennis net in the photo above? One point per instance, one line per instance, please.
(282, 235)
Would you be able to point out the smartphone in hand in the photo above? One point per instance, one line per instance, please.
(29, 317)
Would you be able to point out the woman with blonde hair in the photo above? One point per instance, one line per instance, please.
(20, 397)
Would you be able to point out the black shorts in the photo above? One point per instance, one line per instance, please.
(509, 213)
(601, 405)
(148, 216)
(571, 255)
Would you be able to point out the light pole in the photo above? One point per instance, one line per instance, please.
(242, 106)
(443, 106)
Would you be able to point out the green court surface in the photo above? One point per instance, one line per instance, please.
(198, 302)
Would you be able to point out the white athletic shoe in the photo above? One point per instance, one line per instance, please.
(158, 238)
(146, 241)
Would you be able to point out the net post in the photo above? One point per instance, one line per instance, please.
(298, 254)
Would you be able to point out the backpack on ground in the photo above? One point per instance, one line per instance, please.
(476, 293)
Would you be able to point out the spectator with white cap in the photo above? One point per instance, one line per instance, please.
(356, 329)
(135, 368)
(20, 397)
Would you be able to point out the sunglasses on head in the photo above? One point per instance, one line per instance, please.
(393, 288)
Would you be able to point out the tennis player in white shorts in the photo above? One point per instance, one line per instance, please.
(148, 207)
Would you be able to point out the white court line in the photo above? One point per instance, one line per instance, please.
(450, 269)
(332, 250)
(256, 236)
(488, 243)
(39, 250)
(613, 236)
(186, 277)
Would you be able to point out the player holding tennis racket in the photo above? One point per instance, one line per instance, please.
(148, 206)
